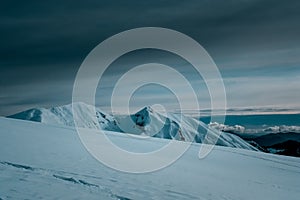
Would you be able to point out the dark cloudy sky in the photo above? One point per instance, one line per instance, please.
(255, 44)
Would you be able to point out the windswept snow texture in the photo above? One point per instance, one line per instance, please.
(145, 122)
(41, 161)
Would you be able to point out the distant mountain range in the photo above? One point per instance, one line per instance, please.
(283, 140)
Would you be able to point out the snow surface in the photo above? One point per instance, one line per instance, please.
(146, 122)
(63, 115)
(49, 162)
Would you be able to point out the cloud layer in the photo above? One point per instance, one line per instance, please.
(254, 43)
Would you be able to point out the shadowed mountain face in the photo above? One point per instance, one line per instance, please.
(289, 148)
(277, 138)
(277, 143)
(280, 143)
(142, 117)
(147, 122)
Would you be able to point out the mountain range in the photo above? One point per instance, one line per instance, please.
(146, 122)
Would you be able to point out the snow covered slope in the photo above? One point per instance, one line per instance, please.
(145, 122)
(63, 115)
(40, 161)
(175, 126)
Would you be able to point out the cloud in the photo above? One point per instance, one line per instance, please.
(44, 43)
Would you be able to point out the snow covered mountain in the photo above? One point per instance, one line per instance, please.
(174, 126)
(63, 115)
(146, 122)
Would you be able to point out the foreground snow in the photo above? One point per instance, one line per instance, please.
(47, 161)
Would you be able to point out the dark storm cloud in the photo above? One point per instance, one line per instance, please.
(35, 32)
(44, 42)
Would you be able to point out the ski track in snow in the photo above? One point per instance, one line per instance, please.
(68, 177)
(73, 178)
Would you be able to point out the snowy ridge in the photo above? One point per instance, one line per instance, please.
(147, 122)
(63, 115)
(174, 126)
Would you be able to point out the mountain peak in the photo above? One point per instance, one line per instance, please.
(87, 116)
(142, 117)
(145, 109)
